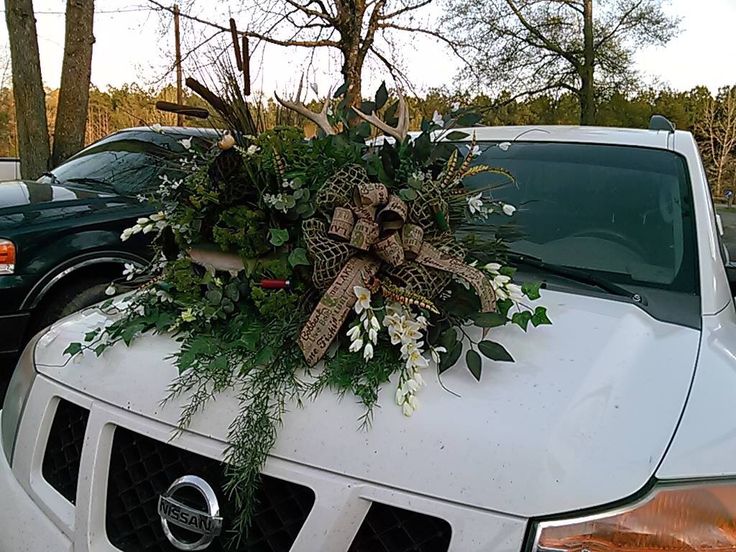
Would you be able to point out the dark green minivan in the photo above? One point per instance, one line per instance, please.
(60, 236)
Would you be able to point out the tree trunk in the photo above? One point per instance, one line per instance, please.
(587, 89)
(30, 98)
(71, 114)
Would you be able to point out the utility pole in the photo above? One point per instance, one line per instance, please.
(177, 38)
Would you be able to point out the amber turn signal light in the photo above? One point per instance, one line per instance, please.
(673, 519)
(7, 257)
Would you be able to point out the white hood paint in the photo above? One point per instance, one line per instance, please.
(582, 418)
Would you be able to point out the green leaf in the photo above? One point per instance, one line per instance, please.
(381, 96)
(507, 271)
(448, 359)
(539, 317)
(264, 356)
(494, 351)
(522, 319)
(232, 292)
(407, 194)
(456, 135)
(531, 290)
(298, 257)
(341, 90)
(214, 296)
(89, 336)
(391, 116)
(468, 119)
(250, 337)
(278, 236)
(504, 306)
(489, 319)
(448, 338)
(73, 349)
(475, 365)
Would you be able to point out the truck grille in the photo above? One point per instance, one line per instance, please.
(64, 449)
(142, 468)
(390, 529)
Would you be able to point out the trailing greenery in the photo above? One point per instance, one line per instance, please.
(245, 265)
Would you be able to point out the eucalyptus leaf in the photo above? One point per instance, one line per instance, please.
(214, 296)
(407, 194)
(475, 365)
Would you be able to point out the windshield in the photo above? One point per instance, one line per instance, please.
(127, 163)
(621, 212)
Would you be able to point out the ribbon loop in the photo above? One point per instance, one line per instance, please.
(376, 230)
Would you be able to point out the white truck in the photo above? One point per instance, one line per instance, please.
(613, 431)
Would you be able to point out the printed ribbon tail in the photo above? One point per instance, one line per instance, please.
(434, 258)
(333, 308)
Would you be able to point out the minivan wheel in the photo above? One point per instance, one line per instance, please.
(71, 298)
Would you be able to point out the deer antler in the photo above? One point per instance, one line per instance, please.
(400, 130)
(319, 119)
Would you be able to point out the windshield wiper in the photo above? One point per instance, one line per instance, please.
(53, 177)
(90, 180)
(577, 275)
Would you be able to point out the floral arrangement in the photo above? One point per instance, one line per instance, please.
(287, 266)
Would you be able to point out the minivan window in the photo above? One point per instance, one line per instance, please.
(621, 212)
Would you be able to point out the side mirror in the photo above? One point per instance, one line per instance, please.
(731, 275)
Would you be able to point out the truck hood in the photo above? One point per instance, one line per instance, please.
(582, 418)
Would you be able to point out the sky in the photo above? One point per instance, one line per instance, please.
(136, 45)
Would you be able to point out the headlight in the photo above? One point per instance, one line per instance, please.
(7, 257)
(16, 397)
(683, 519)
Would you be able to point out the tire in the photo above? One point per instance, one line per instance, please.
(71, 298)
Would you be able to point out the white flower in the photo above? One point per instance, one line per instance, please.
(508, 209)
(129, 271)
(475, 203)
(416, 360)
(418, 378)
(356, 345)
(188, 315)
(368, 352)
(353, 333)
(514, 291)
(455, 106)
(140, 310)
(407, 409)
(127, 233)
(501, 280)
(157, 128)
(475, 152)
(400, 394)
(373, 335)
(252, 150)
(364, 299)
(158, 217)
(141, 221)
(186, 142)
(163, 296)
(110, 290)
(492, 267)
(435, 353)
(437, 119)
(147, 228)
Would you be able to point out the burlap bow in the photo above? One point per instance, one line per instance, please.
(369, 231)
